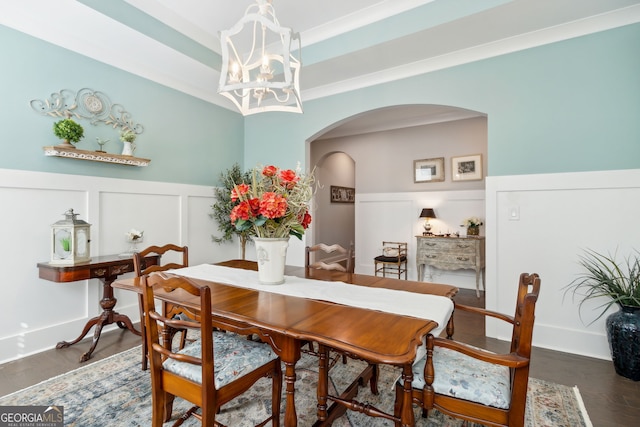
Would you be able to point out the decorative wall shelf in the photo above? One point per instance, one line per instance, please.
(94, 156)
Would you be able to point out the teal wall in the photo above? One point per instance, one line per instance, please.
(566, 107)
(188, 140)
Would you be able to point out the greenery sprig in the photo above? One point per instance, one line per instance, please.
(605, 277)
(473, 221)
(128, 136)
(223, 206)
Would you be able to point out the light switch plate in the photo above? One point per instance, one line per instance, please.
(514, 213)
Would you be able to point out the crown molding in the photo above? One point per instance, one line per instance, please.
(595, 24)
(359, 19)
(67, 23)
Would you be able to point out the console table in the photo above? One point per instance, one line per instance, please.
(107, 269)
(452, 253)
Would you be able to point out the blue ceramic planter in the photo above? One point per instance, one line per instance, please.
(623, 331)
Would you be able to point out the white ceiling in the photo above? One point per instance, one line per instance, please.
(448, 33)
(489, 26)
(315, 20)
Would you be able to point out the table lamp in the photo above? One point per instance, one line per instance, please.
(426, 214)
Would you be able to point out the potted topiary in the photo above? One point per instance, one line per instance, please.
(69, 131)
(619, 283)
(223, 206)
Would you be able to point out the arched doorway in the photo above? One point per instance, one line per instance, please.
(384, 144)
(334, 208)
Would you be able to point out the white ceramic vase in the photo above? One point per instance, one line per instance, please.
(272, 255)
(128, 149)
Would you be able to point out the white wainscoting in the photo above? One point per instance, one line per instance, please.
(559, 216)
(41, 313)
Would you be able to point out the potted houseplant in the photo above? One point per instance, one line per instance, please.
(618, 282)
(69, 131)
(128, 137)
(223, 205)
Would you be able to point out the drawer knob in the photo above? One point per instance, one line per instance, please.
(461, 258)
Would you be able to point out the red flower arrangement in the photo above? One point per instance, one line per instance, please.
(275, 204)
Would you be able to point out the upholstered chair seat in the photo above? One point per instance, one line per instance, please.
(233, 358)
(458, 375)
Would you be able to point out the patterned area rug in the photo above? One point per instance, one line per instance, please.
(115, 392)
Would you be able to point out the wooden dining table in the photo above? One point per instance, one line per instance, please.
(288, 322)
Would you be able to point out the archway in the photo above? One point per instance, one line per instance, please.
(384, 144)
(334, 209)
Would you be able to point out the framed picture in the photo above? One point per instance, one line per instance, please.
(343, 194)
(428, 170)
(466, 168)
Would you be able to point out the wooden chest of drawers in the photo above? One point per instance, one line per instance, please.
(451, 253)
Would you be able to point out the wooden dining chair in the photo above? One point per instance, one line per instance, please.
(475, 384)
(140, 268)
(209, 372)
(336, 258)
(393, 259)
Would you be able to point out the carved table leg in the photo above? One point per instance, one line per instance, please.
(107, 317)
(87, 327)
(407, 418)
(288, 348)
(323, 382)
(290, 415)
(373, 381)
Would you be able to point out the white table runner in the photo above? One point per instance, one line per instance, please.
(423, 306)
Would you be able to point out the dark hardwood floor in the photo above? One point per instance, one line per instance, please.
(611, 400)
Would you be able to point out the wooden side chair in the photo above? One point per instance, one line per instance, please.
(140, 269)
(343, 261)
(475, 384)
(211, 371)
(393, 259)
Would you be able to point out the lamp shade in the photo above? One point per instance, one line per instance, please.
(427, 213)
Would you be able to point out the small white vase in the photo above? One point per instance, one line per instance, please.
(272, 255)
(128, 149)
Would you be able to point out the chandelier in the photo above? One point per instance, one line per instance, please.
(259, 72)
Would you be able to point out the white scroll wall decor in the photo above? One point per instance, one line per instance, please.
(88, 104)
